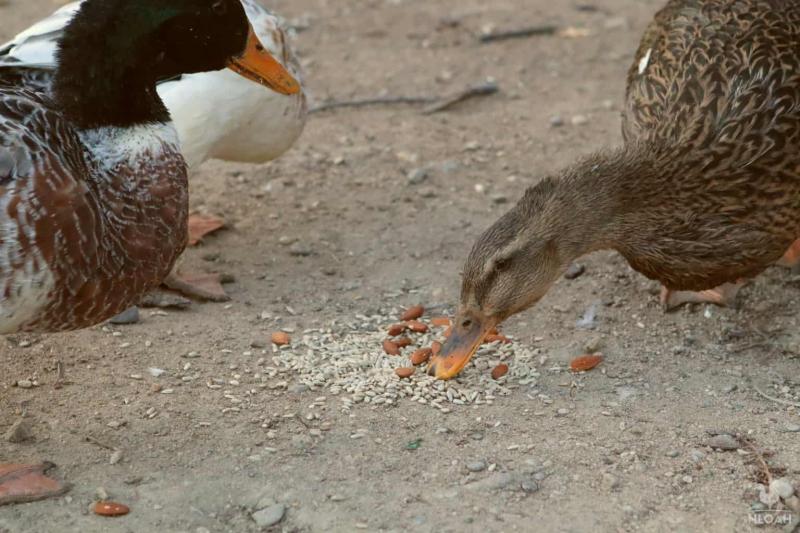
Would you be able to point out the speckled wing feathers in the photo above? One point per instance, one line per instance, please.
(81, 238)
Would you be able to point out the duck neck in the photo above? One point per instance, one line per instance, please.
(102, 80)
(586, 206)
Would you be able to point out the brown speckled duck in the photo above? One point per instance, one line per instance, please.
(704, 192)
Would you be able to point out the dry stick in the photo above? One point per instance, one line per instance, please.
(484, 89)
(96, 442)
(436, 103)
(520, 33)
(763, 463)
(381, 100)
(59, 375)
(776, 400)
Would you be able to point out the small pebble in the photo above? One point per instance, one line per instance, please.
(697, 455)
(723, 442)
(270, 516)
(129, 316)
(579, 120)
(782, 487)
(417, 176)
(299, 249)
(476, 466)
(575, 270)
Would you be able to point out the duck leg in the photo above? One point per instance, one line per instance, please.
(205, 287)
(28, 483)
(724, 295)
(791, 258)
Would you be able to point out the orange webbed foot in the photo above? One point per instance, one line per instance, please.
(724, 295)
(28, 483)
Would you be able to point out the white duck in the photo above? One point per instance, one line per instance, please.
(218, 115)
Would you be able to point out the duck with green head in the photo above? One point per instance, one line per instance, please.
(93, 187)
(703, 194)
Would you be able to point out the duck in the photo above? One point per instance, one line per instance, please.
(93, 185)
(237, 108)
(703, 193)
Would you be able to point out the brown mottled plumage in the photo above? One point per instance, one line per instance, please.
(705, 189)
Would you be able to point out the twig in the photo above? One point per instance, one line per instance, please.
(520, 33)
(381, 100)
(435, 103)
(759, 457)
(96, 442)
(59, 375)
(484, 89)
(776, 400)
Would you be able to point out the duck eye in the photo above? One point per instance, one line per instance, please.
(502, 264)
(220, 7)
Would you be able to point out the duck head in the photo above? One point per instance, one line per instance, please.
(510, 268)
(114, 51)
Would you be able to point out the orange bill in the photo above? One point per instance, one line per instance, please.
(467, 335)
(258, 65)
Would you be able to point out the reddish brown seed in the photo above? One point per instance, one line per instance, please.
(586, 362)
(436, 347)
(111, 509)
(421, 356)
(279, 338)
(402, 342)
(397, 329)
(405, 372)
(496, 338)
(417, 327)
(441, 321)
(390, 347)
(413, 313)
(499, 371)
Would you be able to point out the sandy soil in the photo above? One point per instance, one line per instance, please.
(623, 449)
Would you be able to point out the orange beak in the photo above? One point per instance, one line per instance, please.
(469, 331)
(256, 64)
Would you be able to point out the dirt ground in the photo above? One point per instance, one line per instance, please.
(623, 449)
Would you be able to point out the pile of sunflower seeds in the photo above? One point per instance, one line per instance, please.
(348, 361)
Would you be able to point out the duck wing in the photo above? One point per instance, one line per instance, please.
(48, 209)
(718, 73)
